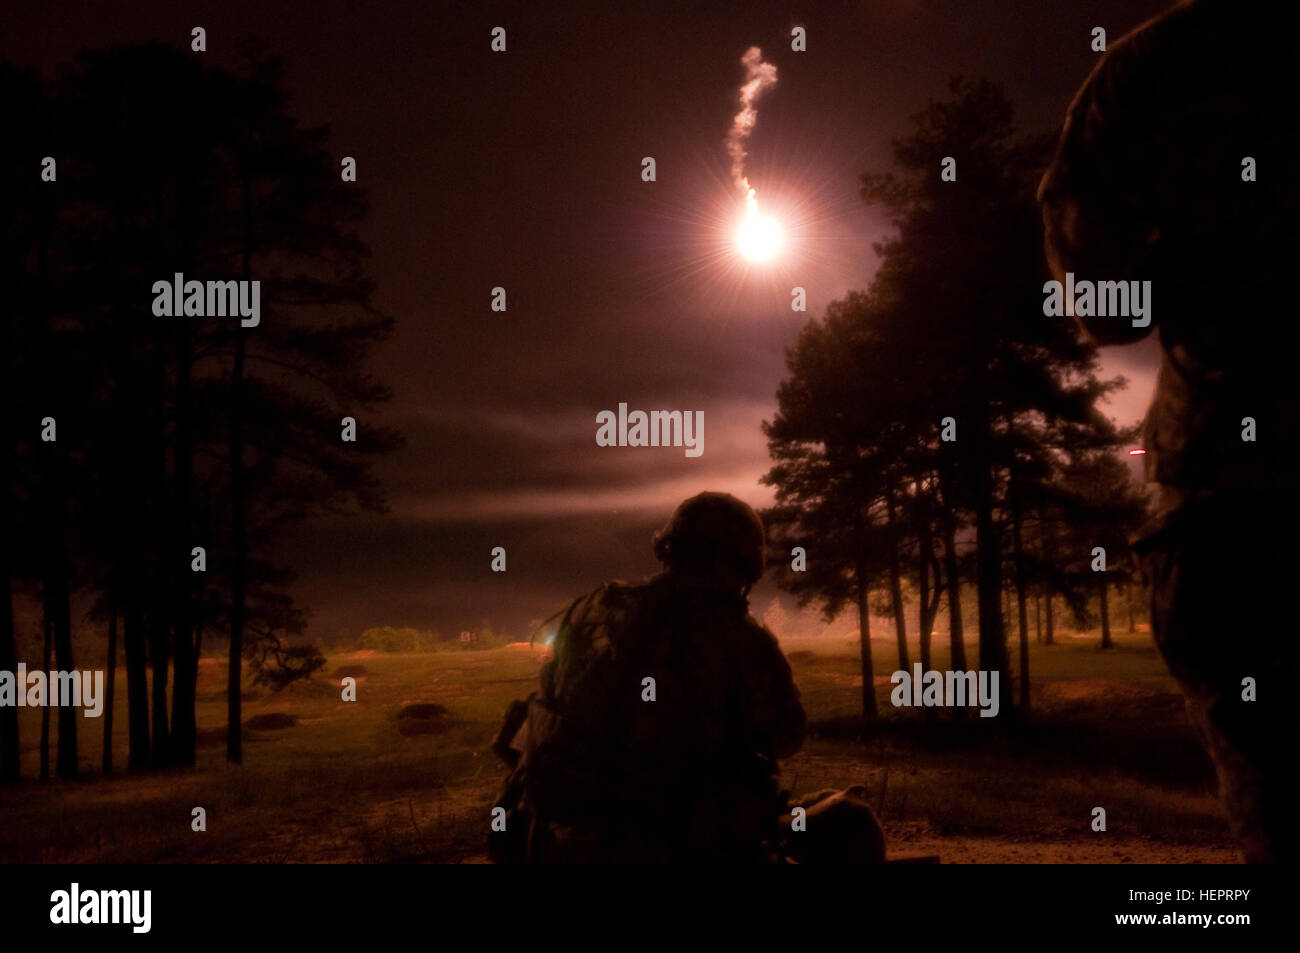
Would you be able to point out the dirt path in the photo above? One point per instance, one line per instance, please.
(1001, 850)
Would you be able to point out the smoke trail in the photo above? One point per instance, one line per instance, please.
(759, 77)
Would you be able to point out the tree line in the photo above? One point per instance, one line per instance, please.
(129, 439)
(937, 429)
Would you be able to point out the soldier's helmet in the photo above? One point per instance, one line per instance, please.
(709, 529)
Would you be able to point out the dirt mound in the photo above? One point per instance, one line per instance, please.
(306, 688)
(423, 718)
(349, 671)
(271, 721)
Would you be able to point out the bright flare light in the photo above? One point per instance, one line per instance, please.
(759, 237)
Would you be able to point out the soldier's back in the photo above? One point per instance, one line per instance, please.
(652, 747)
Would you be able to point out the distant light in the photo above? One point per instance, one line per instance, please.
(1136, 453)
(759, 237)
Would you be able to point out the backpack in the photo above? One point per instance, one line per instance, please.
(563, 743)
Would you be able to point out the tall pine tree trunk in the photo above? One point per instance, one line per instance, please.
(863, 588)
(925, 611)
(183, 727)
(137, 687)
(198, 648)
(158, 661)
(110, 679)
(58, 613)
(896, 585)
(993, 647)
(1022, 613)
(1049, 553)
(45, 712)
(9, 761)
(67, 757)
(234, 738)
(929, 601)
(1105, 615)
(956, 635)
(923, 636)
(160, 600)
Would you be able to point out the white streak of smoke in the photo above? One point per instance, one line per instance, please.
(759, 77)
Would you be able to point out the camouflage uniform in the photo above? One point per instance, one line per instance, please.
(1147, 184)
(607, 776)
(604, 772)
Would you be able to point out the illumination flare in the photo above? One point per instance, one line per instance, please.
(759, 237)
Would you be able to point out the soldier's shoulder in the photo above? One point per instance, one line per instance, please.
(589, 625)
(621, 593)
(611, 598)
(758, 635)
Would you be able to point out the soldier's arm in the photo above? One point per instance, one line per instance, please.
(1098, 220)
(778, 712)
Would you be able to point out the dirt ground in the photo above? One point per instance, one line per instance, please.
(360, 781)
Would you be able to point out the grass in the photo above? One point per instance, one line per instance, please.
(405, 773)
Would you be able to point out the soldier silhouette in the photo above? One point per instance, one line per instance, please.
(655, 729)
(1177, 164)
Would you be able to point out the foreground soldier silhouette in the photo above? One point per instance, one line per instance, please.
(654, 732)
(1177, 165)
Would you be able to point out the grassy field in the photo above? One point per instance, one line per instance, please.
(354, 782)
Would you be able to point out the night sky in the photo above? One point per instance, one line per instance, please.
(522, 170)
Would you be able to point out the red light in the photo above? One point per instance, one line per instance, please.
(1136, 453)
